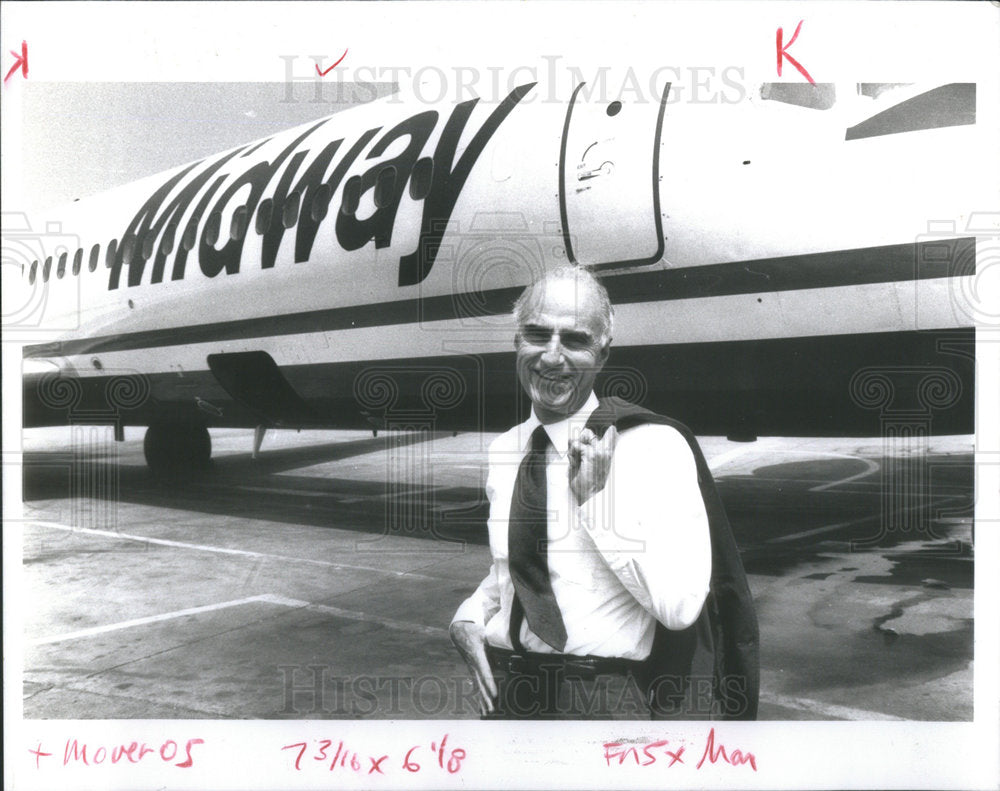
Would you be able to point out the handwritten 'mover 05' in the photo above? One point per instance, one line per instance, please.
(83, 754)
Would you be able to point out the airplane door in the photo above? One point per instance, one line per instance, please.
(609, 181)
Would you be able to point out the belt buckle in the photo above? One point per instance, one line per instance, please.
(516, 663)
(582, 668)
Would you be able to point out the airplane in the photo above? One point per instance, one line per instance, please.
(772, 261)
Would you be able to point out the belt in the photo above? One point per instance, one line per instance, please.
(537, 664)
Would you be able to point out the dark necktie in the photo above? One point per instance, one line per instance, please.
(528, 555)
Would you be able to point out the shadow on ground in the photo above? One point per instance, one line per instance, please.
(782, 514)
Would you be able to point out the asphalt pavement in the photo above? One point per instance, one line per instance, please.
(319, 580)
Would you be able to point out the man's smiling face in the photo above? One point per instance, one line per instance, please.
(560, 348)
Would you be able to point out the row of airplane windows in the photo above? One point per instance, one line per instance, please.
(382, 196)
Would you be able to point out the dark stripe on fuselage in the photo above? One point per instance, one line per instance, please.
(905, 383)
(951, 257)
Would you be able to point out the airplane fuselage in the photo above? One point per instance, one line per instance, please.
(768, 268)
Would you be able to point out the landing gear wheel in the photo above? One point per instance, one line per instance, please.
(173, 448)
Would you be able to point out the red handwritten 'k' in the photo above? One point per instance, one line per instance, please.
(783, 52)
(21, 61)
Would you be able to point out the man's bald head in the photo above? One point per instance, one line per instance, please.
(592, 298)
(562, 342)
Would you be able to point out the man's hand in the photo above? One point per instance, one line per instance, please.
(470, 640)
(590, 462)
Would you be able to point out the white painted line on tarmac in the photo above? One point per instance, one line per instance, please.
(825, 529)
(239, 552)
(730, 455)
(354, 615)
(827, 710)
(286, 490)
(114, 627)
(870, 518)
(724, 458)
(871, 466)
(265, 598)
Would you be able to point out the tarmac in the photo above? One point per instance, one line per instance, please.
(318, 581)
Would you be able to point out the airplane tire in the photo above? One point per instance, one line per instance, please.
(174, 448)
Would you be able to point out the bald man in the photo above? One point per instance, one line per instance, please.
(594, 540)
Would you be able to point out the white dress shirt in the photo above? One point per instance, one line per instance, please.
(636, 552)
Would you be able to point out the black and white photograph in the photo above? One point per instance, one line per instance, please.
(497, 394)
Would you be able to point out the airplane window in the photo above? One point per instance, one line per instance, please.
(109, 258)
(47, 268)
(77, 260)
(948, 105)
(147, 245)
(321, 202)
(167, 242)
(190, 237)
(421, 177)
(95, 254)
(290, 211)
(61, 269)
(238, 226)
(128, 248)
(383, 186)
(263, 216)
(352, 196)
(212, 228)
(33, 273)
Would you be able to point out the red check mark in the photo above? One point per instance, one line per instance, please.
(324, 73)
